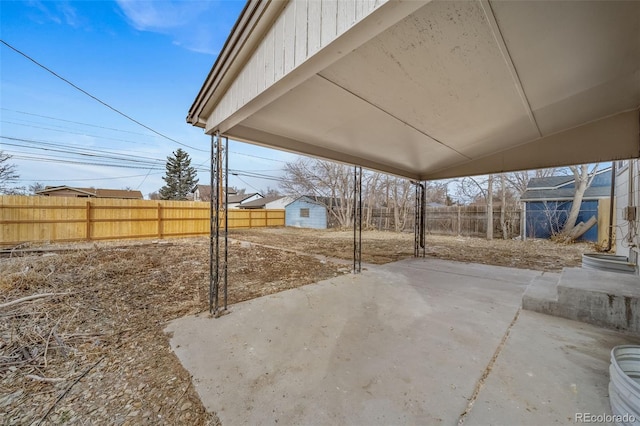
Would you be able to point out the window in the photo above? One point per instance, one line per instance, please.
(621, 166)
(304, 212)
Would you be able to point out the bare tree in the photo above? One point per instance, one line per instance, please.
(503, 206)
(330, 183)
(371, 190)
(8, 173)
(239, 191)
(520, 180)
(270, 192)
(401, 199)
(489, 199)
(583, 180)
(34, 188)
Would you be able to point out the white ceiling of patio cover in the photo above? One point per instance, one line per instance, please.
(448, 89)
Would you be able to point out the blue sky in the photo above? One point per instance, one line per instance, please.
(147, 59)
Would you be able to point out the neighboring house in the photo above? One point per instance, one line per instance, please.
(548, 201)
(235, 200)
(304, 212)
(68, 191)
(276, 202)
(203, 192)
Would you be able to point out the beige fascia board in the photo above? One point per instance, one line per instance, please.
(370, 26)
(254, 21)
(269, 140)
(616, 137)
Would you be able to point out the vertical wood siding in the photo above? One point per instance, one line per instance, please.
(302, 29)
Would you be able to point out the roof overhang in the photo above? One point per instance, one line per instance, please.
(431, 90)
(256, 17)
(51, 189)
(563, 199)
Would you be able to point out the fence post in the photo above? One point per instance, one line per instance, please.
(159, 220)
(88, 214)
(250, 217)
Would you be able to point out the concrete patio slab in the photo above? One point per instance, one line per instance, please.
(405, 343)
(550, 370)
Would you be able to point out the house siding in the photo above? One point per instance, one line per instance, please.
(548, 202)
(317, 215)
(302, 29)
(627, 232)
(544, 218)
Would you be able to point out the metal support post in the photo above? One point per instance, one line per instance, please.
(226, 219)
(218, 254)
(357, 219)
(419, 221)
(213, 230)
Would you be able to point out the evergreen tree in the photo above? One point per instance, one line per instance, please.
(180, 177)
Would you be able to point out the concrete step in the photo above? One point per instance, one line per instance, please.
(541, 295)
(607, 299)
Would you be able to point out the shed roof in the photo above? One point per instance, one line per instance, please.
(563, 188)
(430, 90)
(591, 193)
(260, 202)
(239, 198)
(549, 181)
(315, 199)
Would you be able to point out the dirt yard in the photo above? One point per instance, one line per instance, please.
(92, 350)
(383, 247)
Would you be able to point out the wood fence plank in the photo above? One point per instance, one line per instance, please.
(39, 219)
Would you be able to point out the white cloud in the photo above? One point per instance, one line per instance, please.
(59, 12)
(160, 15)
(70, 14)
(200, 26)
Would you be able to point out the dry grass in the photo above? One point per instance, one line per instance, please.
(110, 324)
(382, 247)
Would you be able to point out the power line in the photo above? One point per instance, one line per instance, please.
(88, 179)
(125, 131)
(133, 165)
(257, 156)
(97, 99)
(73, 122)
(74, 149)
(32, 126)
(245, 182)
(87, 163)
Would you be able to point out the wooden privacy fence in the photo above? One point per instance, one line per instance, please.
(58, 219)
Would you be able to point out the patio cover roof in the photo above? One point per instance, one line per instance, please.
(430, 90)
